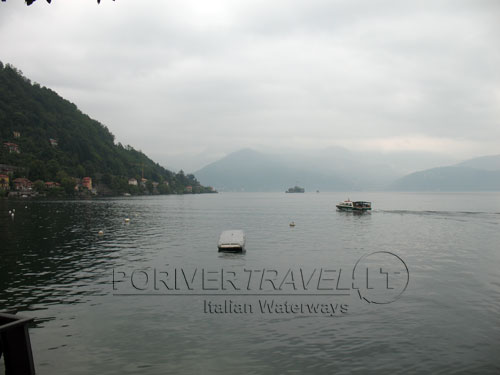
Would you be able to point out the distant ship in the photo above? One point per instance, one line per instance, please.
(354, 206)
(295, 189)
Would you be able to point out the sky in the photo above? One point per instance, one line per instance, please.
(189, 81)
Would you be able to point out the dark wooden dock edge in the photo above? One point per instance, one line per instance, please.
(15, 345)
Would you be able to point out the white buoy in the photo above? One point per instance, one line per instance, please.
(127, 220)
(101, 233)
(10, 212)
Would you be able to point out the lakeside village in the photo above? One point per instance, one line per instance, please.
(14, 184)
(23, 187)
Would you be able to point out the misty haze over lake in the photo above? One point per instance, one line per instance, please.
(189, 82)
(134, 133)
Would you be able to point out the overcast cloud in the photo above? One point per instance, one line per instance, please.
(184, 80)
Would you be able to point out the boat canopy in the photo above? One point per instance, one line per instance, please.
(362, 204)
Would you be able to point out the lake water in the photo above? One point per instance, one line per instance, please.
(104, 304)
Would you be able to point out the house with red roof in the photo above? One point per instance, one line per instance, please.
(22, 183)
(87, 183)
(12, 147)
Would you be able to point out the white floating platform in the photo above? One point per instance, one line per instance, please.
(232, 240)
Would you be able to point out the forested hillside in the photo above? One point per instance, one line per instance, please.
(48, 138)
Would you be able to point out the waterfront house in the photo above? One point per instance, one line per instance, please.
(87, 183)
(4, 182)
(189, 189)
(53, 142)
(22, 183)
(12, 147)
(51, 185)
(16, 134)
(132, 181)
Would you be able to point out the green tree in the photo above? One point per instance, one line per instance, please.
(53, 168)
(68, 184)
(39, 186)
(80, 171)
(37, 170)
(85, 147)
(149, 186)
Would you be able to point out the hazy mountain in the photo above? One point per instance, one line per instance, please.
(358, 172)
(339, 169)
(478, 174)
(489, 163)
(249, 170)
(330, 169)
(189, 161)
(390, 164)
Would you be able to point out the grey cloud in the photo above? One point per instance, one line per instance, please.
(185, 75)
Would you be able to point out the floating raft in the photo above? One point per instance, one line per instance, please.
(232, 240)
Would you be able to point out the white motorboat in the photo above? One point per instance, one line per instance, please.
(348, 205)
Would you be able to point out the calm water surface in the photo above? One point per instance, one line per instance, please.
(54, 266)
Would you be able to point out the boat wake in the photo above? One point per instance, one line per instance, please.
(432, 212)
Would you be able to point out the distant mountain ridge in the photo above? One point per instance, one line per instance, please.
(332, 169)
(338, 169)
(249, 170)
(489, 163)
(478, 174)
